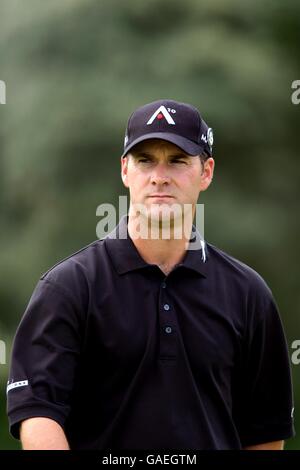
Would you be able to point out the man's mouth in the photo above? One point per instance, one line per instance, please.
(161, 196)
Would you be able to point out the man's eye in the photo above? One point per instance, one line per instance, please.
(179, 161)
(144, 160)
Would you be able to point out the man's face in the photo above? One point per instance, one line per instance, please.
(159, 175)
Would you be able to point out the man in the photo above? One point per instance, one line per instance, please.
(152, 338)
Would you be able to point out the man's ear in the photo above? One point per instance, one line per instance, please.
(207, 173)
(124, 168)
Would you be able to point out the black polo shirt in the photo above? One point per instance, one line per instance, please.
(124, 357)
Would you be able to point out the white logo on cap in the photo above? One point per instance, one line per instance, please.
(166, 114)
(210, 137)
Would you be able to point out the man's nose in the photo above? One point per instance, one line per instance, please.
(160, 175)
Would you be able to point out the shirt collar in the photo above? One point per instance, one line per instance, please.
(126, 258)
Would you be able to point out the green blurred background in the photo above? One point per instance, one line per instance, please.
(75, 70)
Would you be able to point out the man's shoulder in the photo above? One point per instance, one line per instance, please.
(76, 266)
(236, 270)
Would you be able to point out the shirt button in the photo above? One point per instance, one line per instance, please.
(166, 307)
(168, 329)
(163, 285)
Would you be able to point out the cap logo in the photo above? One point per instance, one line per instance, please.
(160, 113)
(209, 137)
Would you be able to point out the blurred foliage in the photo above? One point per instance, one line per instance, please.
(75, 70)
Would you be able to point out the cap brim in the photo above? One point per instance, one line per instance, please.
(184, 144)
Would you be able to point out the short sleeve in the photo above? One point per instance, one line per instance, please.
(44, 357)
(264, 401)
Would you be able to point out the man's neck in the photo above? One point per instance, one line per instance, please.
(165, 253)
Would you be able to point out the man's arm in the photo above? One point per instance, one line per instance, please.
(42, 434)
(276, 445)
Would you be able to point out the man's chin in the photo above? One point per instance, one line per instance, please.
(163, 214)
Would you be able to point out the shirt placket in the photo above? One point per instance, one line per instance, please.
(167, 323)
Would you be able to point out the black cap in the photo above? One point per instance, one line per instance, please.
(178, 123)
